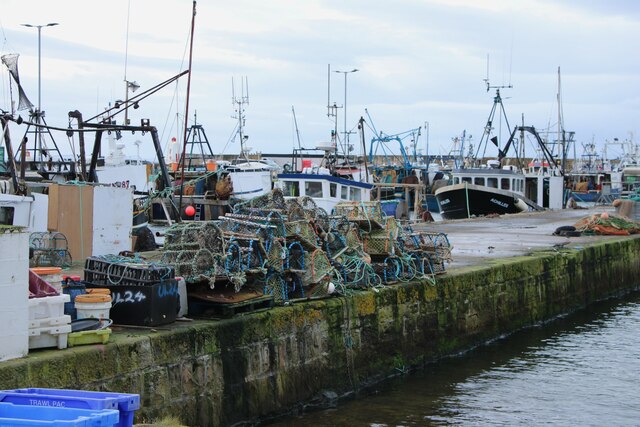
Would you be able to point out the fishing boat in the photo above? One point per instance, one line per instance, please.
(327, 183)
(594, 178)
(498, 187)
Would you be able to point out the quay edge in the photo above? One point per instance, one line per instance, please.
(217, 373)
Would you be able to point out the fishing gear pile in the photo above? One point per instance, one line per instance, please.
(294, 249)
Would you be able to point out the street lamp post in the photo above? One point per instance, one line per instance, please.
(39, 111)
(346, 135)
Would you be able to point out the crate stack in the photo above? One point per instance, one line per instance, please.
(48, 325)
(39, 406)
(143, 293)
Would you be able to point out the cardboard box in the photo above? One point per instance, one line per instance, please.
(96, 220)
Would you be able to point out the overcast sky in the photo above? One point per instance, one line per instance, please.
(420, 62)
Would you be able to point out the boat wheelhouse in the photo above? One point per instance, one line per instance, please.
(325, 189)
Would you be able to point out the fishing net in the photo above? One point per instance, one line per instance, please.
(11, 62)
(356, 272)
(605, 224)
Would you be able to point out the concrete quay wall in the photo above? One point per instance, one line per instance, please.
(216, 373)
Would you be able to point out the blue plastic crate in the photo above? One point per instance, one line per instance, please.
(127, 404)
(24, 415)
(389, 207)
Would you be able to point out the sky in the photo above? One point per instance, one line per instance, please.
(421, 64)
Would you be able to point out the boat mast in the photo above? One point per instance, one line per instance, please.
(238, 105)
(561, 133)
(497, 101)
(186, 109)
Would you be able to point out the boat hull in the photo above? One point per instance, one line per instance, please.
(461, 201)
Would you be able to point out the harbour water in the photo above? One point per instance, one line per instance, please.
(581, 369)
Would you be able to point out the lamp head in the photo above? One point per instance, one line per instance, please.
(134, 86)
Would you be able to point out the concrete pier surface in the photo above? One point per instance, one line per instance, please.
(476, 240)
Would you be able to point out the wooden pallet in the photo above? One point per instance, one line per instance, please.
(225, 303)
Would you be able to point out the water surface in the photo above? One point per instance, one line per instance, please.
(580, 370)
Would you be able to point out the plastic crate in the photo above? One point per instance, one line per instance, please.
(50, 336)
(100, 336)
(125, 403)
(143, 305)
(45, 307)
(42, 415)
(49, 321)
(104, 271)
(39, 287)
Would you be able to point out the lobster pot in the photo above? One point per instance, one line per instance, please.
(14, 291)
(302, 232)
(276, 256)
(436, 243)
(353, 240)
(368, 215)
(334, 244)
(317, 268)
(193, 265)
(194, 235)
(269, 201)
(380, 242)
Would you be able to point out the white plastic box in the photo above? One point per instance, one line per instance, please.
(47, 307)
(50, 336)
(50, 321)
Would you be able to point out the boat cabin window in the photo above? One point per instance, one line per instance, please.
(466, 179)
(492, 182)
(344, 192)
(333, 189)
(6, 215)
(356, 194)
(313, 189)
(505, 184)
(456, 180)
(291, 188)
(478, 181)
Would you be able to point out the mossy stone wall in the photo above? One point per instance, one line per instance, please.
(215, 373)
